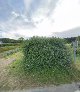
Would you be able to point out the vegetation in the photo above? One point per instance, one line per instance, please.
(44, 61)
(78, 51)
(10, 52)
(70, 40)
(9, 44)
(46, 53)
(7, 40)
(7, 48)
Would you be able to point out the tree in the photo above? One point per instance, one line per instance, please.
(78, 38)
(21, 39)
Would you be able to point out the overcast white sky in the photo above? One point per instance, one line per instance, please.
(37, 17)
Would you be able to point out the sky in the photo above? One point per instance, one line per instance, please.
(27, 18)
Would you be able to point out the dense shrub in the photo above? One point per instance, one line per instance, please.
(78, 51)
(45, 53)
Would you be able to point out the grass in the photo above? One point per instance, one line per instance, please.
(18, 56)
(77, 63)
(7, 48)
(16, 67)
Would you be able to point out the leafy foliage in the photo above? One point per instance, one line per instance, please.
(45, 53)
(70, 40)
(78, 51)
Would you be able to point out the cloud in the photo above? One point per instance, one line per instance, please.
(31, 6)
(47, 7)
(31, 22)
(39, 7)
(66, 15)
(15, 14)
(40, 17)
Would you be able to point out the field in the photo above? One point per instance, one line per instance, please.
(13, 75)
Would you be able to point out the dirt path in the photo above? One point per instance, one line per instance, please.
(3, 71)
(5, 62)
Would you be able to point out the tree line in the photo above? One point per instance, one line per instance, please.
(8, 40)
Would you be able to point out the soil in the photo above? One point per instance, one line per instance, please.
(4, 62)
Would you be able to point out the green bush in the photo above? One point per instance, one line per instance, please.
(45, 53)
(78, 51)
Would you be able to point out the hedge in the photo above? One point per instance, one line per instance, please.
(45, 53)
